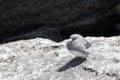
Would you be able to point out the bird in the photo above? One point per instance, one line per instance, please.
(78, 45)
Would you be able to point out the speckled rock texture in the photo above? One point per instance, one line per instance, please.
(84, 16)
(43, 59)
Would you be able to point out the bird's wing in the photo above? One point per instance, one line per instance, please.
(87, 44)
(76, 47)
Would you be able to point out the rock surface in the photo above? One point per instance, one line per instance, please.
(43, 59)
(84, 16)
(44, 32)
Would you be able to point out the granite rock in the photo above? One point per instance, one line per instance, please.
(43, 59)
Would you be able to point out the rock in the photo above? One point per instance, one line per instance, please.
(117, 26)
(118, 8)
(43, 59)
(44, 32)
(83, 16)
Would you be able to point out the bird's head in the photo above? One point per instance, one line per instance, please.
(74, 37)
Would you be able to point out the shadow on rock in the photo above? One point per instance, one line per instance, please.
(73, 63)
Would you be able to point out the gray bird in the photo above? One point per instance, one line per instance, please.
(78, 45)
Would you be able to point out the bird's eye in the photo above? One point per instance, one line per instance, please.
(73, 39)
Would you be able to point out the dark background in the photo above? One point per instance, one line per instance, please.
(58, 19)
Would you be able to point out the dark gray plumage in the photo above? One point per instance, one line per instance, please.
(78, 45)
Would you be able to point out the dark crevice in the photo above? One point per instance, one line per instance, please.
(20, 31)
(104, 28)
(101, 27)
